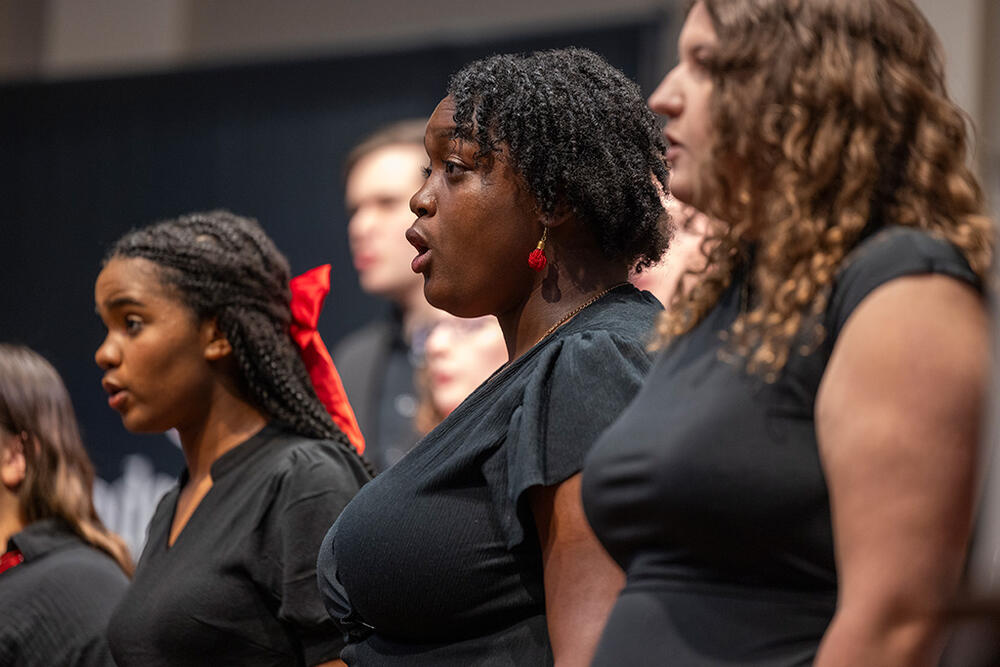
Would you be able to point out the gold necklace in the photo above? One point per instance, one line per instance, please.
(576, 311)
(565, 318)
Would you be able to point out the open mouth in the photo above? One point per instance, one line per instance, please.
(116, 394)
(420, 262)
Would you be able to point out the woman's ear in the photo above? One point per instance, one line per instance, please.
(557, 217)
(13, 466)
(217, 346)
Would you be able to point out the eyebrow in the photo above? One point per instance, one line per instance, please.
(118, 302)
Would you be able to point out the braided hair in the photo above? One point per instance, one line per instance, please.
(224, 266)
(579, 133)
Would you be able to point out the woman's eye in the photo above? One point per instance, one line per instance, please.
(702, 59)
(133, 325)
(426, 171)
(452, 168)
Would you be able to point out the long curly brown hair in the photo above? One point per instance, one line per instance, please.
(852, 124)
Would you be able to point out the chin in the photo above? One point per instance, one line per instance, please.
(446, 406)
(370, 284)
(453, 299)
(437, 297)
(134, 423)
(682, 192)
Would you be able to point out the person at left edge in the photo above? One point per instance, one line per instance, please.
(61, 571)
(199, 318)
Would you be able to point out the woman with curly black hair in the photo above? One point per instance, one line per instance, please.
(541, 195)
(794, 483)
(205, 335)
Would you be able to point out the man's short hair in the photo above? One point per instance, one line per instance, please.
(405, 132)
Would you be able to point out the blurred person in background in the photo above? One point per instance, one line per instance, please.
(685, 260)
(794, 483)
(207, 333)
(538, 198)
(377, 362)
(61, 571)
(461, 353)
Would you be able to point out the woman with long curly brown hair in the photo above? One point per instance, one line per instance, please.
(794, 482)
(62, 572)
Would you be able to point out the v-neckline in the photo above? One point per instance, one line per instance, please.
(220, 467)
(173, 515)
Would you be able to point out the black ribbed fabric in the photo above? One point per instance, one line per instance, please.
(238, 586)
(709, 490)
(56, 604)
(437, 561)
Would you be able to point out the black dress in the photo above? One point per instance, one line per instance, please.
(56, 604)
(238, 586)
(709, 490)
(437, 561)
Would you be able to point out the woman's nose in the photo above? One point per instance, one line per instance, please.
(438, 342)
(107, 355)
(667, 99)
(422, 203)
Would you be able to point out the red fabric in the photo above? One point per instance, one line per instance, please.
(537, 260)
(308, 292)
(10, 559)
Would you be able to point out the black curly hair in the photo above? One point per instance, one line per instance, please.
(224, 266)
(579, 134)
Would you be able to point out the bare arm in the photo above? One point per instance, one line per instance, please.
(897, 419)
(581, 579)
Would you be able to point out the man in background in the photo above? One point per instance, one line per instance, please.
(377, 362)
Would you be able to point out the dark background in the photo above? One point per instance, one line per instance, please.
(81, 162)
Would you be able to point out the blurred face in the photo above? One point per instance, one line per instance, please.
(475, 226)
(155, 355)
(379, 187)
(684, 96)
(684, 253)
(461, 354)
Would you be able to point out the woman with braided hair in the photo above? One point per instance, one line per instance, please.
(794, 483)
(484, 556)
(202, 333)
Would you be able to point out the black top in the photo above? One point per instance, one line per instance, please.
(377, 366)
(56, 604)
(437, 561)
(238, 586)
(709, 490)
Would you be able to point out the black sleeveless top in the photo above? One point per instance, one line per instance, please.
(709, 490)
(437, 561)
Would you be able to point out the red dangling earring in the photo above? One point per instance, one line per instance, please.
(536, 259)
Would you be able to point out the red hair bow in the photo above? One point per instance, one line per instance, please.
(308, 292)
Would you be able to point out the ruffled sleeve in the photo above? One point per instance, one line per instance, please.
(576, 391)
(320, 479)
